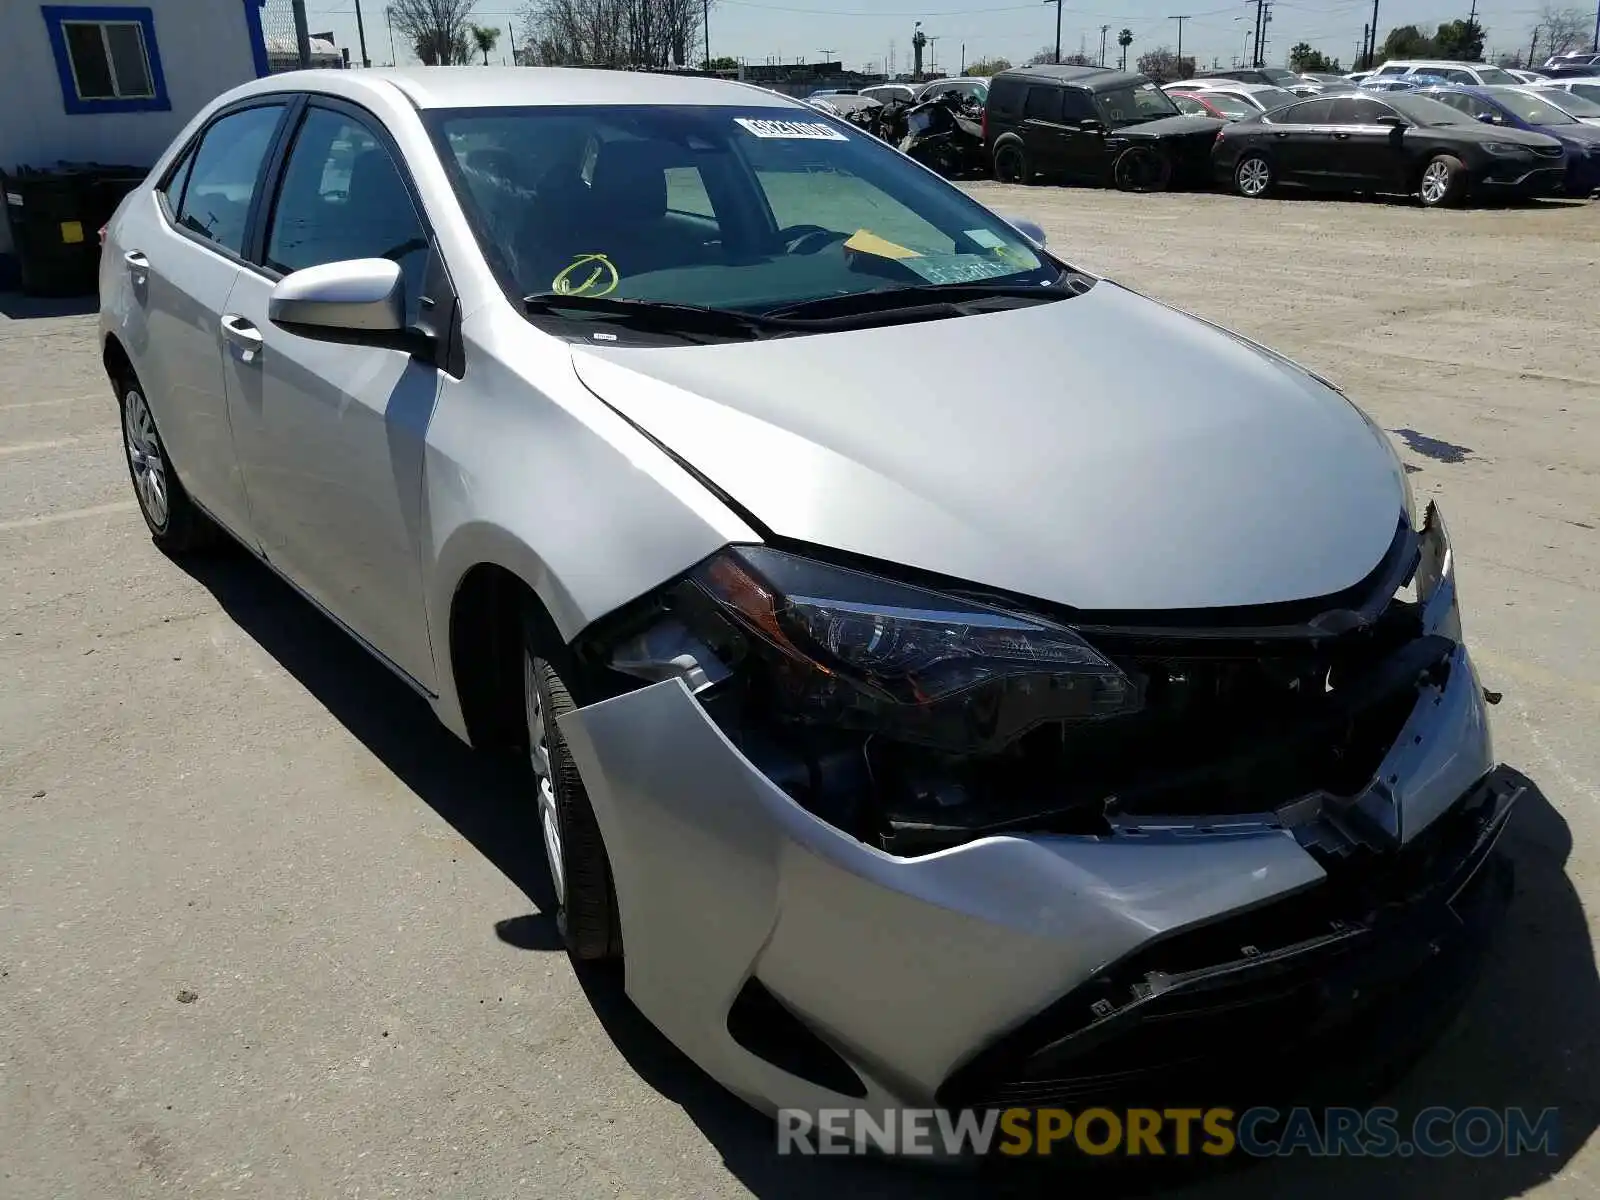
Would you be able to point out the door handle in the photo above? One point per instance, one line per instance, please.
(138, 265)
(1281, 133)
(242, 334)
(1343, 137)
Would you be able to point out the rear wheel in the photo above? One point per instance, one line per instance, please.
(1444, 181)
(1011, 163)
(176, 524)
(580, 872)
(1252, 177)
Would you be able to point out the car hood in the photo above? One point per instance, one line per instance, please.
(1182, 125)
(1104, 452)
(1479, 132)
(1573, 135)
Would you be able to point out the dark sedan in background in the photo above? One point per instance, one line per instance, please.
(1521, 108)
(1400, 142)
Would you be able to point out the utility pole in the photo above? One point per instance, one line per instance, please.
(1533, 45)
(1180, 21)
(705, 28)
(963, 58)
(302, 35)
(1255, 45)
(394, 59)
(1361, 50)
(361, 34)
(1057, 3)
(1103, 29)
(1372, 43)
(513, 35)
(1594, 46)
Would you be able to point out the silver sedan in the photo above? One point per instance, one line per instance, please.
(943, 673)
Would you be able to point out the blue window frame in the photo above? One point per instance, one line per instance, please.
(107, 58)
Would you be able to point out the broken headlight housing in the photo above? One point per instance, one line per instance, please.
(1435, 578)
(827, 646)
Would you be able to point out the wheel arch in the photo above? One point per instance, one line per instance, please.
(116, 360)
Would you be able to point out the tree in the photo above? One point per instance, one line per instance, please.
(1462, 40)
(1562, 29)
(485, 37)
(725, 62)
(1125, 39)
(1304, 58)
(613, 33)
(1163, 66)
(1077, 59)
(1044, 54)
(1407, 41)
(436, 29)
(989, 66)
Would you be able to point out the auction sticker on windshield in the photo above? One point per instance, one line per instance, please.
(806, 131)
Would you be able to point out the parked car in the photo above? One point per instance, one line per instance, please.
(1525, 76)
(1261, 97)
(972, 87)
(1399, 83)
(1589, 89)
(1446, 71)
(1222, 105)
(1092, 125)
(879, 745)
(885, 93)
(1358, 76)
(1401, 142)
(1523, 108)
(1587, 71)
(1576, 58)
(1275, 76)
(1573, 103)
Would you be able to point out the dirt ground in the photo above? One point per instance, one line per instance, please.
(266, 930)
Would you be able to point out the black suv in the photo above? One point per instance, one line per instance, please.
(1093, 125)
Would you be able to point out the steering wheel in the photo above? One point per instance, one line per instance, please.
(809, 239)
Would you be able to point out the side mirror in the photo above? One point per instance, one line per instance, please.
(1489, 118)
(1092, 125)
(359, 300)
(1031, 230)
(1392, 122)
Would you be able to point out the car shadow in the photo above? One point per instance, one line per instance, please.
(1525, 1037)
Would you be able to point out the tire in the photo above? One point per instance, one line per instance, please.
(1011, 163)
(177, 526)
(580, 872)
(1253, 177)
(1141, 169)
(1443, 181)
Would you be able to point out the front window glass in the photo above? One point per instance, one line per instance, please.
(1231, 105)
(1425, 111)
(1271, 98)
(1494, 75)
(1530, 108)
(715, 207)
(1135, 104)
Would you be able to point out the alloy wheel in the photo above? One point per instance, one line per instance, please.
(544, 779)
(1254, 176)
(1435, 182)
(145, 459)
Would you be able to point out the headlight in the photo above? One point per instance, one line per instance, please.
(1436, 578)
(830, 646)
(1508, 150)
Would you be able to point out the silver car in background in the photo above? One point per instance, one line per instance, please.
(946, 676)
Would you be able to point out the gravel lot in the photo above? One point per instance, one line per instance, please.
(267, 930)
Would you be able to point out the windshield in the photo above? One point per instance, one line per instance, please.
(1279, 75)
(1589, 91)
(1424, 111)
(1574, 103)
(1135, 103)
(716, 207)
(1495, 75)
(1270, 98)
(1232, 105)
(1530, 108)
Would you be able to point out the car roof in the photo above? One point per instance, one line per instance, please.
(1212, 83)
(496, 87)
(1096, 79)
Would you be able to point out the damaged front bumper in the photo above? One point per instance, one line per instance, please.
(802, 968)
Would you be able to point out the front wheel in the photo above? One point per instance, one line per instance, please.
(580, 872)
(1252, 177)
(1444, 181)
(1141, 169)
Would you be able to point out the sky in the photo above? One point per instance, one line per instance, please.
(861, 32)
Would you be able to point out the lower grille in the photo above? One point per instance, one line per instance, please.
(1384, 932)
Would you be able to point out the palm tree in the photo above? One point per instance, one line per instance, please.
(486, 36)
(1125, 39)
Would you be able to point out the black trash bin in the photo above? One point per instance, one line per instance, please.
(55, 216)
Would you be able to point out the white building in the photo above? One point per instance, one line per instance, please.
(112, 82)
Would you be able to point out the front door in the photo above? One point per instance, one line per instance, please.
(331, 436)
(1367, 155)
(1042, 131)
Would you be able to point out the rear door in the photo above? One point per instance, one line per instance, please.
(331, 436)
(182, 256)
(1301, 141)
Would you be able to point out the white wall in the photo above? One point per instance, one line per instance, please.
(205, 50)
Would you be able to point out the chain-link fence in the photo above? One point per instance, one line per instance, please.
(283, 40)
